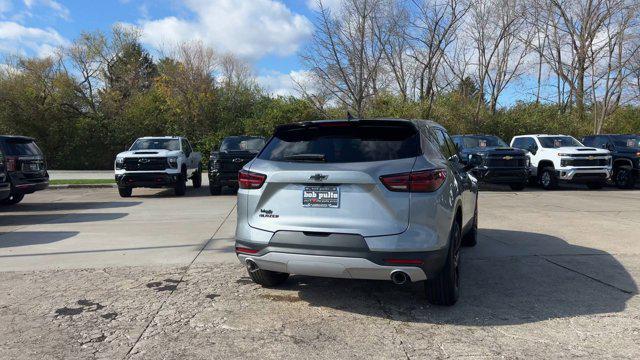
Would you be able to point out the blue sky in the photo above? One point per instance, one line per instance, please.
(267, 33)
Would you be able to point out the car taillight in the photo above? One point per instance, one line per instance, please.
(12, 163)
(250, 180)
(416, 181)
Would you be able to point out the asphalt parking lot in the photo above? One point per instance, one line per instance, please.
(85, 274)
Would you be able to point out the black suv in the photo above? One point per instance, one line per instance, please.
(501, 164)
(224, 163)
(25, 166)
(625, 150)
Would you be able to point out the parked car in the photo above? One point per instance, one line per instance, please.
(157, 162)
(25, 166)
(625, 150)
(5, 186)
(361, 199)
(501, 164)
(557, 158)
(225, 162)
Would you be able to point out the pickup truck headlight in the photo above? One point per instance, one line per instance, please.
(119, 163)
(173, 162)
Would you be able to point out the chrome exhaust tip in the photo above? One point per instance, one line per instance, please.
(399, 277)
(251, 265)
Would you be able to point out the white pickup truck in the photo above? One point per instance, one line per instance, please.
(157, 162)
(557, 158)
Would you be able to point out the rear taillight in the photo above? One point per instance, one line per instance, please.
(246, 250)
(416, 181)
(12, 163)
(250, 180)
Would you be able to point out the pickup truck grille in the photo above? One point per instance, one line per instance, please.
(585, 162)
(145, 164)
(500, 161)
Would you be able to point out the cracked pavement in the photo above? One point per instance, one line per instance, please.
(87, 275)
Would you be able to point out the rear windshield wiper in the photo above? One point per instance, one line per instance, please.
(306, 157)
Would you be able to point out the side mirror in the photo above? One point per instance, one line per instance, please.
(532, 150)
(473, 162)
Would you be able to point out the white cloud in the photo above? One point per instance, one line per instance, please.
(18, 39)
(248, 28)
(58, 8)
(279, 84)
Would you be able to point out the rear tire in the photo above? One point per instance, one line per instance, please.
(517, 186)
(181, 186)
(548, 179)
(125, 192)
(215, 189)
(268, 278)
(444, 289)
(624, 177)
(196, 179)
(12, 199)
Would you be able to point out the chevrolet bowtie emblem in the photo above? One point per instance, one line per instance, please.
(143, 161)
(591, 157)
(237, 160)
(318, 177)
(507, 157)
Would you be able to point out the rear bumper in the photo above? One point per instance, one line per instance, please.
(224, 178)
(503, 175)
(583, 175)
(22, 184)
(148, 179)
(351, 261)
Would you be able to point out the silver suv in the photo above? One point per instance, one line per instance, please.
(361, 199)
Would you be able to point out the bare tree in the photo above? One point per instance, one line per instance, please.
(432, 31)
(344, 55)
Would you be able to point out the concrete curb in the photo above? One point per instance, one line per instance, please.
(83, 186)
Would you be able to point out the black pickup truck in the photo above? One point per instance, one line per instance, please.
(225, 162)
(501, 164)
(25, 166)
(625, 151)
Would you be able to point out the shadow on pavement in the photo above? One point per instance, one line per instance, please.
(29, 219)
(25, 238)
(191, 192)
(56, 206)
(502, 290)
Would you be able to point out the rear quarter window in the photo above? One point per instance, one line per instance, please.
(343, 143)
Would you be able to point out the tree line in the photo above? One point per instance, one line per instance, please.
(576, 63)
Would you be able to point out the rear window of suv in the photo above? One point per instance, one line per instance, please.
(22, 148)
(342, 142)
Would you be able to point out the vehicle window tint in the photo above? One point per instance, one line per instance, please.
(525, 143)
(253, 144)
(156, 144)
(601, 142)
(343, 143)
(452, 147)
(186, 147)
(558, 141)
(629, 141)
(588, 141)
(22, 148)
(442, 143)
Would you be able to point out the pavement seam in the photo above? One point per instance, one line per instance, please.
(184, 273)
(587, 276)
